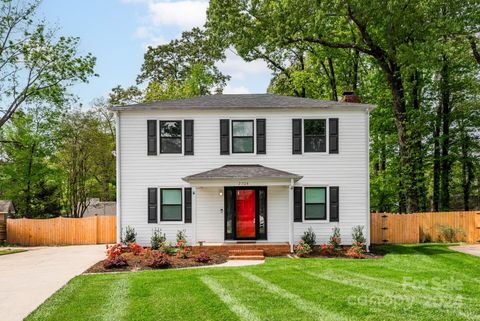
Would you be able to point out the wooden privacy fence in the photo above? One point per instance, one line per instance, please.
(62, 231)
(420, 227)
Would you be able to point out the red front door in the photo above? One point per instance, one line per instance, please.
(245, 206)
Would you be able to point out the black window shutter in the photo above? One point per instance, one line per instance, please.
(297, 204)
(333, 135)
(152, 137)
(188, 204)
(224, 136)
(188, 136)
(296, 136)
(152, 205)
(334, 209)
(261, 136)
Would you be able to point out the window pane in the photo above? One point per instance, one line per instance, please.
(172, 196)
(242, 128)
(172, 212)
(315, 195)
(171, 145)
(315, 127)
(170, 128)
(315, 144)
(315, 211)
(242, 145)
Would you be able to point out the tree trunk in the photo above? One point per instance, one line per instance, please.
(445, 138)
(467, 168)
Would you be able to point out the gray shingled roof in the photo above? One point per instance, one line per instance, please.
(242, 172)
(6, 206)
(242, 101)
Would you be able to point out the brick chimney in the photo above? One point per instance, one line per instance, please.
(350, 97)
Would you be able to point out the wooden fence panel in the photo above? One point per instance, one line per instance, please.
(418, 227)
(62, 231)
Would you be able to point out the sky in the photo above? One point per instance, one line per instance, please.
(118, 32)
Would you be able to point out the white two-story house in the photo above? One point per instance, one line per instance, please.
(242, 168)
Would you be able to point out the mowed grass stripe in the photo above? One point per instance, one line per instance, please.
(299, 302)
(447, 302)
(232, 303)
(116, 307)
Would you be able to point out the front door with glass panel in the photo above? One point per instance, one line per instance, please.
(245, 213)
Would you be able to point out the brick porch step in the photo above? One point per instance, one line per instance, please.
(246, 255)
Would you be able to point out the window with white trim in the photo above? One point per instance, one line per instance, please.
(170, 136)
(315, 202)
(315, 135)
(242, 136)
(171, 204)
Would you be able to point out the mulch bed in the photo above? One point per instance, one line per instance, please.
(375, 253)
(137, 263)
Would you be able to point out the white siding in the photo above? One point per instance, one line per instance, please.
(348, 170)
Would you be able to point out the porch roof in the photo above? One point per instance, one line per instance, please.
(242, 172)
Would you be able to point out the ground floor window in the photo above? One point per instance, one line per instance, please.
(171, 204)
(315, 203)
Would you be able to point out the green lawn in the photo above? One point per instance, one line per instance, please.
(417, 282)
(10, 251)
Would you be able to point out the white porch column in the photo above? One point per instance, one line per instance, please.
(290, 212)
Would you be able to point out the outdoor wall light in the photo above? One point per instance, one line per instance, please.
(220, 193)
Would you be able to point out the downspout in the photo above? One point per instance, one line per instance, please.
(367, 125)
(118, 174)
(290, 212)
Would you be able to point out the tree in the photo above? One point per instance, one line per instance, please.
(173, 62)
(35, 64)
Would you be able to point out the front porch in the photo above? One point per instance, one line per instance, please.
(268, 248)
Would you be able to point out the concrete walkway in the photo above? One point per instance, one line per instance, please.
(27, 279)
(468, 249)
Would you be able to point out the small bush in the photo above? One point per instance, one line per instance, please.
(114, 257)
(309, 237)
(167, 248)
(357, 250)
(326, 250)
(302, 249)
(157, 260)
(202, 258)
(183, 252)
(135, 248)
(157, 239)
(426, 238)
(450, 235)
(181, 236)
(357, 234)
(336, 240)
(130, 235)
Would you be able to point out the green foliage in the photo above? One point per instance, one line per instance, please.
(335, 240)
(450, 234)
(130, 235)
(309, 237)
(357, 234)
(158, 239)
(181, 236)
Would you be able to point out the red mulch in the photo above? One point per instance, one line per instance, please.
(137, 263)
(373, 254)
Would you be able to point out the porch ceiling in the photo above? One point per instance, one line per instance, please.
(246, 172)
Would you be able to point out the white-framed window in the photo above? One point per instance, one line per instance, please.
(315, 203)
(243, 136)
(171, 136)
(315, 133)
(171, 204)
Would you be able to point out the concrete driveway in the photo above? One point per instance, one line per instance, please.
(27, 279)
(473, 249)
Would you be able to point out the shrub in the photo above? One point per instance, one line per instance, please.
(336, 240)
(302, 249)
(130, 235)
(326, 249)
(157, 239)
(202, 258)
(357, 234)
(183, 252)
(157, 260)
(309, 237)
(357, 250)
(114, 257)
(181, 236)
(167, 248)
(135, 248)
(450, 235)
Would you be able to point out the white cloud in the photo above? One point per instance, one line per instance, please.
(239, 69)
(230, 89)
(183, 14)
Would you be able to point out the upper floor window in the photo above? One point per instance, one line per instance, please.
(171, 137)
(242, 136)
(315, 203)
(315, 137)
